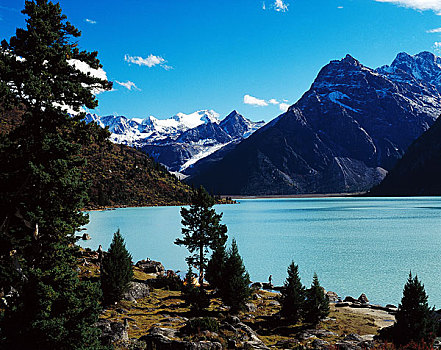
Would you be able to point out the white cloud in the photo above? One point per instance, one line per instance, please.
(437, 47)
(91, 21)
(128, 85)
(150, 61)
(339, 7)
(284, 107)
(273, 101)
(85, 68)
(250, 100)
(278, 5)
(422, 5)
(434, 30)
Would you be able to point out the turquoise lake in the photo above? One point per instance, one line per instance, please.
(356, 245)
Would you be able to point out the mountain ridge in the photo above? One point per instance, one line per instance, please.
(343, 134)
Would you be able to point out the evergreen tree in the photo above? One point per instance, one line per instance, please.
(317, 303)
(235, 290)
(216, 267)
(292, 295)
(202, 230)
(41, 191)
(414, 319)
(116, 270)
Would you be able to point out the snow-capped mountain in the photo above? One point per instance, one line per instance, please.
(178, 142)
(343, 135)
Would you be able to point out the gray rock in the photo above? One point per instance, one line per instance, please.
(150, 266)
(137, 290)
(250, 307)
(161, 342)
(112, 331)
(257, 285)
(332, 296)
(346, 346)
(274, 303)
(353, 337)
(254, 345)
(350, 299)
(319, 344)
(321, 333)
(363, 299)
(166, 332)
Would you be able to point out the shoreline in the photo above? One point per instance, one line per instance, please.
(287, 196)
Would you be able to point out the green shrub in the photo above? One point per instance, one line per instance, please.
(200, 324)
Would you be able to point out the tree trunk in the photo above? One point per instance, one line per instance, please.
(201, 266)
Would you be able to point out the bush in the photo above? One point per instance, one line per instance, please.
(200, 324)
(195, 297)
(170, 282)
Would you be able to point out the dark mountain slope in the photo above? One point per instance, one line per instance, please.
(119, 175)
(341, 136)
(418, 173)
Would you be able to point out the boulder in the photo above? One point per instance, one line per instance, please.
(274, 303)
(250, 307)
(350, 299)
(332, 296)
(353, 337)
(151, 266)
(363, 299)
(257, 285)
(319, 344)
(137, 290)
(161, 342)
(112, 331)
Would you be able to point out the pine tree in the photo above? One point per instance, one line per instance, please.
(202, 230)
(216, 267)
(116, 270)
(414, 319)
(41, 192)
(235, 290)
(316, 306)
(292, 295)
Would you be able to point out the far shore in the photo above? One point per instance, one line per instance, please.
(308, 195)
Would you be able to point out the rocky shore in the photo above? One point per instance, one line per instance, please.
(154, 316)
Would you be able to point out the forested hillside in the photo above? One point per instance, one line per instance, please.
(119, 175)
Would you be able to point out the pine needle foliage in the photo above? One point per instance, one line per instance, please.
(414, 318)
(316, 306)
(216, 267)
(41, 191)
(235, 290)
(292, 295)
(202, 230)
(116, 270)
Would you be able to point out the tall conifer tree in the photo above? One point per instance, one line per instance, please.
(414, 319)
(235, 290)
(116, 270)
(316, 304)
(202, 230)
(293, 295)
(41, 192)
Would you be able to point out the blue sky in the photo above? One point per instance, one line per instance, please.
(187, 55)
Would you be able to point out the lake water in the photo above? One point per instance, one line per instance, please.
(356, 245)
